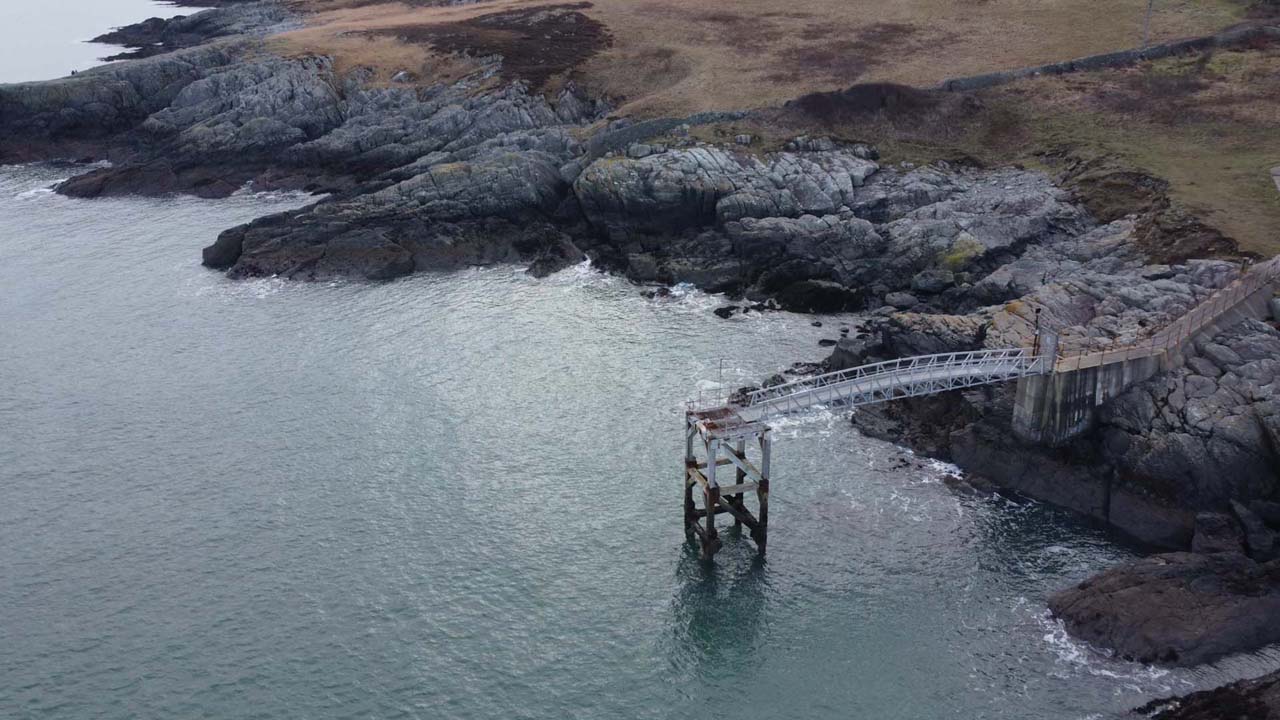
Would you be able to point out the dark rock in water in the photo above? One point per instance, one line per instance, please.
(224, 251)
(726, 311)
(816, 323)
(826, 342)
(660, 292)
(822, 296)
(156, 36)
(852, 352)
(1176, 609)
(1256, 699)
(1217, 532)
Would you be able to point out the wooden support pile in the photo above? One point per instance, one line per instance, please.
(725, 439)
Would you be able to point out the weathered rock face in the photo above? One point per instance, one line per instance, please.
(1209, 431)
(156, 36)
(1179, 444)
(1179, 609)
(40, 119)
(800, 224)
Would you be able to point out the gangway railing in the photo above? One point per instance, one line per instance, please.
(1174, 335)
(927, 374)
(878, 382)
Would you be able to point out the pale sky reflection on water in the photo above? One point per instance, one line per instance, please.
(45, 39)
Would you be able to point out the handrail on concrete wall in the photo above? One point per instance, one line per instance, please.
(1175, 335)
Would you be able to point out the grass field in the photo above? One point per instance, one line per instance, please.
(679, 56)
(1203, 129)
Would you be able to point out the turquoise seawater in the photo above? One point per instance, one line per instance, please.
(458, 496)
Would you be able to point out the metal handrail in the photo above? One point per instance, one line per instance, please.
(961, 369)
(1176, 333)
(972, 358)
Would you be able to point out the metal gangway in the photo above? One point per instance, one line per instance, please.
(880, 382)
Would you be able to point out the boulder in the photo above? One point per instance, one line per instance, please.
(1176, 609)
(901, 300)
(854, 351)
(1215, 533)
(933, 281)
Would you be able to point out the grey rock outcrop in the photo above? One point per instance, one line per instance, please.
(1176, 609)
(1207, 432)
(156, 36)
(799, 223)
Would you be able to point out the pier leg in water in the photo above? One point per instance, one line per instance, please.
(740, 477)
(724, 433)
(711, 495)
(690, 467)
(760, 533)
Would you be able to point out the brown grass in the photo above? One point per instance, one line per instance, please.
(682, 56)
(1197, 132)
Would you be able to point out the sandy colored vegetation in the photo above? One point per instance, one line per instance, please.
(1196, 135)
(1193, 137)
(679, 56)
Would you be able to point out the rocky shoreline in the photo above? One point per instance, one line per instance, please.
(504, 166)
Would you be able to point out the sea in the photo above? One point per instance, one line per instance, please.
(458, 495)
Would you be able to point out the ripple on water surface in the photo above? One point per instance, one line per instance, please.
(457, 495)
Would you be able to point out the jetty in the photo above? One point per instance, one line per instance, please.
(1058, 392)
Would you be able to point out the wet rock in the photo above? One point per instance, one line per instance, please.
(819, 296)
(726, 311)
(826, 342)
(1176, 609)
(156, 36)
(1255, 699)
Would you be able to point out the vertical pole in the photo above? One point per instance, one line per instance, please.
(1146, 24)
(710, 542)
(690, 464)
(736, 499)
(761, 533)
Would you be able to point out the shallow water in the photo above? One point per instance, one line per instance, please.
(41, 40)
(458, 496)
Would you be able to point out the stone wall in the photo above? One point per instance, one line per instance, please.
(1122, 58)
